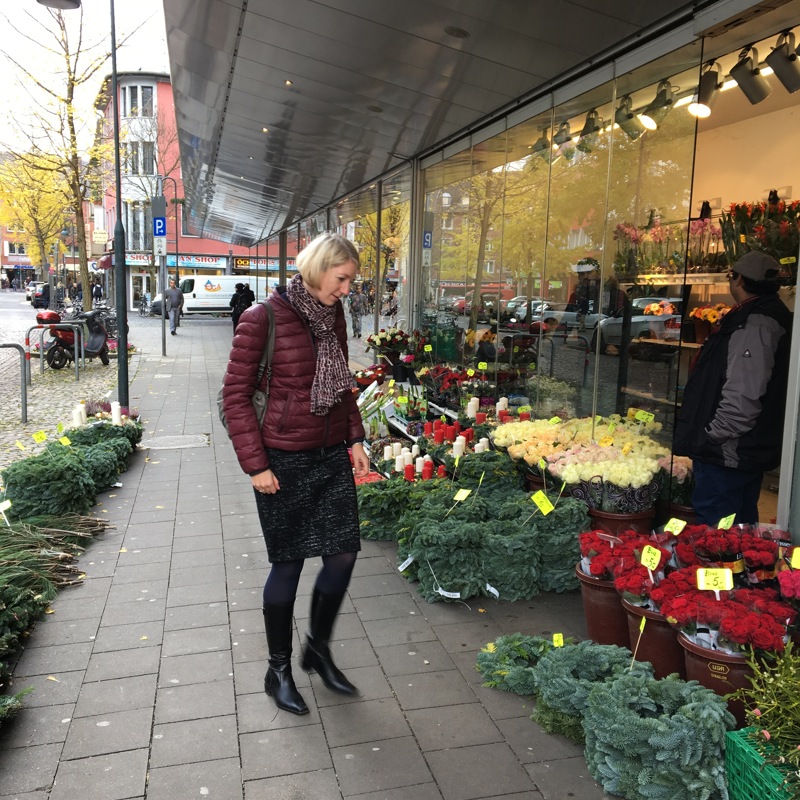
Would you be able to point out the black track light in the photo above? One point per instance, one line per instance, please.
(627, 120)
(785, 63)
(705, 210)
(749, 78)
(707, 91)
(562, 135)
(541, 147)
(592, 125)
(654, 114)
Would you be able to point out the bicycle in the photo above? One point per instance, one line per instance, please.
(144, 307)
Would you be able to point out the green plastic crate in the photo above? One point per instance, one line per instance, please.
(748, 777)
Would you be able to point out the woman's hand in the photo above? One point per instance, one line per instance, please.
(266, 482)
(360, 460)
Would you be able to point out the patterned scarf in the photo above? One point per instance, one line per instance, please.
(332, 376)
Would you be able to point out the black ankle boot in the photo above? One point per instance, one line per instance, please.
(317, 654)
(278, 682)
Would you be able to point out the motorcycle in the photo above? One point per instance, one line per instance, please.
(59, 351)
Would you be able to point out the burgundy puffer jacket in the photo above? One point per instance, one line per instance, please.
(289, 424)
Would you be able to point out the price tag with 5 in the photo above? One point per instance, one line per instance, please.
(675, 526)
(644, 416)
(542, 502)
(462, 494)
(726, 522)
(482, 365)
(470, 372)
(39, 437)
(650, 558)
(716, 580)
(428, 348)
(795, 562)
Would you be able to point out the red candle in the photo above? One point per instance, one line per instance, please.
(457, 426)
(480, 417)
(427, 470)
(438, 436)
(524, 416)
(469, 434)
(450, 434)
(442, 471)
(408, 472)
(437, 423)
(427, 428)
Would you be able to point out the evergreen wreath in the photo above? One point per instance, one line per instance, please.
(566, 675)
(657, 739)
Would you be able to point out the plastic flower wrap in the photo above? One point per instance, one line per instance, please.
(660, 309)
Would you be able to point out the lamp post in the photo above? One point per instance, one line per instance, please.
(177, 227)
(119, 231)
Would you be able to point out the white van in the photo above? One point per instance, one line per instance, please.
(211, 294)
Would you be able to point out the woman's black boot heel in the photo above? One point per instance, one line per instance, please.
(317, 654)
(278, 682)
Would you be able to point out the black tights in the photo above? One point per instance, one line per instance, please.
(281, 586)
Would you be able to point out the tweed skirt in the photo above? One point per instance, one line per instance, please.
(315, 513)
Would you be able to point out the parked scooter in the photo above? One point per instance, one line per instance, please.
(60, 350)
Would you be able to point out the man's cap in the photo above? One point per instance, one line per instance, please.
(757, 266)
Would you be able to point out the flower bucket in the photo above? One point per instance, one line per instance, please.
(702, 328)
(606, 620)
(723, 673)
(658, 643)
(615, 523)
(686, 513)
(533, 482)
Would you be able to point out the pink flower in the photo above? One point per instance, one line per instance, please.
(757, 712)
(766, 735)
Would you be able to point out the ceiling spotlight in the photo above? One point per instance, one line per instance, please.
(592, 125)
(287, 82)
(749, 78)
(265, 130)
(562, 135)
(654, 114)
(785, 63)
(627, 120)
(541, 147)
(707, 91)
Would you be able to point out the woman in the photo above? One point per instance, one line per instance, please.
(298, 462)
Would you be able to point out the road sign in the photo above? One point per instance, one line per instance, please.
(99, 236)
(426, 257)
(427, 240)
(160, 226)
(159, 245)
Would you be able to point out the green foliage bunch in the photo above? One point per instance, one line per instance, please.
(508, 662)
(11, 705)
(657, 739)
(101, 461)
(772, 708)
(381, 505)
(510, 561)
(20, 607)
(103, 430)
(56, 481)
(566, 675)
(558, 544)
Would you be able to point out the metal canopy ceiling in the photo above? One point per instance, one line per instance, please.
(372, 82)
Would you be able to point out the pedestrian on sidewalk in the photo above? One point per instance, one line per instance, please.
(298, 462)
(174, 298)
(358, 308)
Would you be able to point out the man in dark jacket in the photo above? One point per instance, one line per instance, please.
(731, 419)
(239, 304)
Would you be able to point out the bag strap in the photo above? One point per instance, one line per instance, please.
(265, 364)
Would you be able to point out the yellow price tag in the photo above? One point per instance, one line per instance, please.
(428, 348)
(716, 580)
(795, 562)
(598, 418)
(482, 365)
(402, 400)
(542, 464)
(542, 502)
(19, 444)
(675, 526)
(612, 426)
(524, 410)
(39, 437)
(626, 448)
(726, 522)
(555, 420)
(650, 558)
(60, 428)
(642, 624)
(606, 441)
(788, 260)
(5, 505)
(462, 494)
(65, 440)
(470, 372)
(391, 383)
(631, 413)
(644, 416)
(558, 640)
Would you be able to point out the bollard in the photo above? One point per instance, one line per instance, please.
(23, 383)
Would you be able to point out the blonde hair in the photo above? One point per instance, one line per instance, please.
(326, 251)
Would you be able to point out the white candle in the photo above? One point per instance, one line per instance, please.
(399, 464)
(387, 453)
(504, 403)
(479, 448)
(498, 407)
(82, 412)
(419, 464)
(415, 450)
(426, 457)
(458, 449)
(470, 410)
(405, 450)
(462, 440)
(485, 443)
(116, 414)
(397, 449)
(407, 458)
(77, 419)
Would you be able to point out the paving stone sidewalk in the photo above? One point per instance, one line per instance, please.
(148, 679)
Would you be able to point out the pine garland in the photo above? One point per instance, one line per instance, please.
(508, 662)
(657, 739)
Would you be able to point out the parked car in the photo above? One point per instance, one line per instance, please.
(517, 308)
(31, 288)
(654, 326)
(565, 316)
(37, 297)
